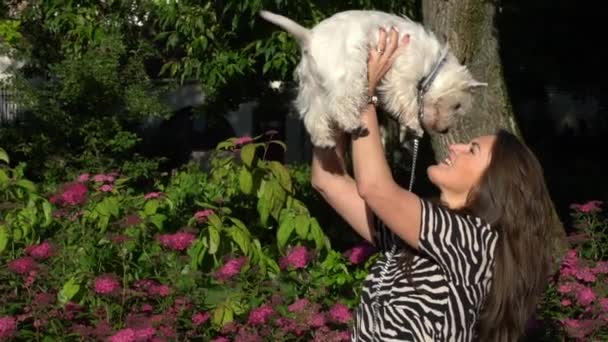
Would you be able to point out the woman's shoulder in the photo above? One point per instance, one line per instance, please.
(433, 208)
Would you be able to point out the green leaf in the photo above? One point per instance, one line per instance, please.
(150, 207)
(224, 145)
(317, 234)
(47, 210)
(248, 154)
(263, 205)
(214, 239)
(17, 234)
(3, 238)
(68, 291)
(3, 178)
(285, 229)
(194, 251)
(245, 181)
(158, 220)
(215, 221)
(4, 156)
(240, 238)
(280, 143)
(239, 224)
(280, 171)
(223, 314)
(26, 184)
(302, 223)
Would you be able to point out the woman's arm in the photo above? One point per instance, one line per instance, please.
(398, 208)
(330, 178)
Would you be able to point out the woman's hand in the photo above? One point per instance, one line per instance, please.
(381, 58)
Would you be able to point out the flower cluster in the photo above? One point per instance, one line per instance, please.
(360, 253)
(230, 268)
(298, 257)
(70, 195)
(201, 215)
(178, 241)
(106, 284)
(581, 293)
(302, 317)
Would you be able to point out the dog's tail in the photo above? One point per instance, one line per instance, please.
(301, 33)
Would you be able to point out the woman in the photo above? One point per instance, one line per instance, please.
(467, 268)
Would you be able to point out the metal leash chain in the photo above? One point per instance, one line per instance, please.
(414, 157)
(423, 87)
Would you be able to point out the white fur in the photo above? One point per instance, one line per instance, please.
(332, 75)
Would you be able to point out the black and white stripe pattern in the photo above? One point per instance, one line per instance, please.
(452, 274)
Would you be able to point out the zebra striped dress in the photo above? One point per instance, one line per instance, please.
(451, 274)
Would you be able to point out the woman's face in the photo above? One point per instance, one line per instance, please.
(462, 169)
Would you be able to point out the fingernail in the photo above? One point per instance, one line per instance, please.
(395, 29)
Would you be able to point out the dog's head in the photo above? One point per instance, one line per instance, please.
(450, 96)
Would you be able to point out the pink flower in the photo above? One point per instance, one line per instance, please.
(147, 307)
(589, 207)
(566, 302)
(298, 305)
(152, 195)
(200, 318)
(585, 296)
(22, 265)
(340, 313)
(40, 251)
(604, 304)
(144, 334)
(585, 274)
(106, 284)
(100, 178)
(359, 253)
(159, 290)
(297, 258)
(201, 215)
(71, 194)
(106, 188)
(579, 328)
(230, 268)
(260, 315)
(600, 267)
(83, 178)
(220, 339)
(243, 140)
(178, 241)
(8, 327)
(317, 320)
(124, 335)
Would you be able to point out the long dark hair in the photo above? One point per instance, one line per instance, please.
(513, 198)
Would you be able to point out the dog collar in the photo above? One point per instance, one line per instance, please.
(425, 82)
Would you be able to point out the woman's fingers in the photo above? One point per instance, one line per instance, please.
(391, 46)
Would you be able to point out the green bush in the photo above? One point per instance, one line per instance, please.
(230, 253)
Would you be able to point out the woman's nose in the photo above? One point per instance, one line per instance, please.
(456, 148)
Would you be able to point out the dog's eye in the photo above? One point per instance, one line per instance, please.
(457, 106)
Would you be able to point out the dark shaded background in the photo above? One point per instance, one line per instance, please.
(561, 44)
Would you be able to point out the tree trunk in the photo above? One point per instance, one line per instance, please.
(468, 26)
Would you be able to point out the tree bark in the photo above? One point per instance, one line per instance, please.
(468, 26)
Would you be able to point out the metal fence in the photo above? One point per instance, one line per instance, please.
(8, 107)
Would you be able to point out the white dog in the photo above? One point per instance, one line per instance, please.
(332, 75)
